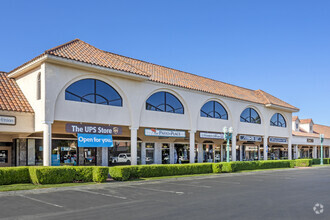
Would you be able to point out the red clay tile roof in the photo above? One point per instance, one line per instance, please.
(11, 97)
(317, 130)
(83, 52)
(306, 121)
(294, 118)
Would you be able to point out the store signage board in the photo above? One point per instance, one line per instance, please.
(278, 140)
(310, 140)
(250, 138)
(93, 129)
(7, 120)
(95, 140)
(164, 133)
(211, 135)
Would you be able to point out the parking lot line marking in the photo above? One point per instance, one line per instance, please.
(41, 201)
(157, 190)
(183, 184)
(101, 194)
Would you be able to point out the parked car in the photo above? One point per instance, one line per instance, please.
(122, 158)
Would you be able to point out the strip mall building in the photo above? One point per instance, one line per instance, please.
(79, 105)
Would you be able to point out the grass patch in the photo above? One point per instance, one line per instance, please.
(171, 177)
(29, 186)
(318, 165)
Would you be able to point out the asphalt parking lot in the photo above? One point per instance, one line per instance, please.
(280, 194)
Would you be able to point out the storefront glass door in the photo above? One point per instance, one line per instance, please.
(165, 153)
(90, 156)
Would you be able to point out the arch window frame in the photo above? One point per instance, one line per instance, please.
(94, 94)
(152, 107)
(214, 111)
(251, 120)
(278, 122)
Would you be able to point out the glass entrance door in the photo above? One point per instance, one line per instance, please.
(90, 156)
(165, 153)
(5, 156)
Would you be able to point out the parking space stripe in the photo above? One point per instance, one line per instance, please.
(184, 184)
(101, 194)
(41, 201)
(156, 190)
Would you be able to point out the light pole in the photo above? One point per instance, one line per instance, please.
(322, 139)
(227, 136)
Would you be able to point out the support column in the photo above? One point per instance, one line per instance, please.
(31, 152)
(222, 153)
(233, 147)
(143, 153)
(133, 145)
(314, 152)
(296, 152)
(289, 149)
(240, 153)
(265, 147)
(200, 153)
(172, 153)
(105, 156)
(47, 143)
(158, 153)
(328, 152)
(259, 154)
(191, 146)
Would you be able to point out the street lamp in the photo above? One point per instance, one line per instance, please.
(322, 139)
(227, 136)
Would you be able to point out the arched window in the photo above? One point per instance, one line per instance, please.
(93, 91)
(213, 109)
(164, 102)
(250, 115)
(39, 86)
(278, 120)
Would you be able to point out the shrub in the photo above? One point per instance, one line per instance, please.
(253, 165)
(303, 162)
(316, 161)
(56, 175)
(100, 174)
(123, 173)
(14, 175)
(217, 167)
(226, 167)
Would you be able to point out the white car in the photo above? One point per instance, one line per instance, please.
(122, 158)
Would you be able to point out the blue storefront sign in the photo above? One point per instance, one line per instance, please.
(56, 160)
(94, 140)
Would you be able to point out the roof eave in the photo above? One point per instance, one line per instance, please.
(95, 68)
(282, 108)
(27, 67)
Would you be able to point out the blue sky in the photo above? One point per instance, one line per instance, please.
(279, 46)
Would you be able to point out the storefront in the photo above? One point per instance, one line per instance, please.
(151, 114)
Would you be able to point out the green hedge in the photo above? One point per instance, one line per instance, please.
(56, 175)
(253, 165)
(303, 162)
(14, 175)
(318, 161)
(123, 173)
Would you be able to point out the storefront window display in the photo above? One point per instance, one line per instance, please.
(64, 152)
(120, 153)
(208, 153)
(165, 153)
(38, 152)
(150, 152)
(181, 153)
(90, 156)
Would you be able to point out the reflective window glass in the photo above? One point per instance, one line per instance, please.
(250, 115)
(278, 120)
(213, 109)
(164, 102)
(93, 91)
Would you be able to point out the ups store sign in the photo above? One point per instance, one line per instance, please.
(93, 129)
